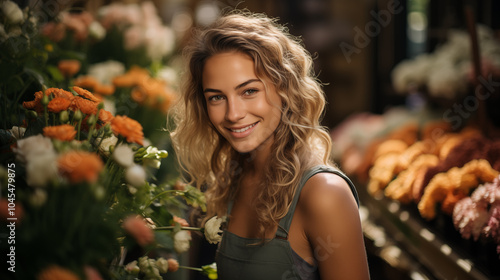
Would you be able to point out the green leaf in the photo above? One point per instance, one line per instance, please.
(55, 73)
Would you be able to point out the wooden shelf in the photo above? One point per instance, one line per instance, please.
(436, 245)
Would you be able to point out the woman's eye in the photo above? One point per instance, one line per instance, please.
(250, 91)
(215, 98)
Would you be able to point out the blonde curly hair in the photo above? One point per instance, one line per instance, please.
(299, 140)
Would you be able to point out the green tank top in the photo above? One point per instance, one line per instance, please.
(240, 258)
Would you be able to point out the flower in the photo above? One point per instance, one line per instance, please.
(181, 221)
(58, 104)
(182, 241)
(80, 166)
(135, 175)
(106, 144)
(17, 132)
(12, 12)
(128, 128)
(149, 268)
(162, 265)
(105, 116)
(63, 132)
(173, 265)
(139, 230)
(132, 267)
(86, 106)
(91, 273)
(210, 270)
(123, 155)
(85, 93)
(213, 232)
(39, 157)
(55, 272)
(69, 67)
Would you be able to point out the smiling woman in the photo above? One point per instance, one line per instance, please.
(248, 129)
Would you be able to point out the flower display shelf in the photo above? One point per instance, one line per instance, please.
(435, 245)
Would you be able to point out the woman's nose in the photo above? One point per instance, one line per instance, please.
(235, 110)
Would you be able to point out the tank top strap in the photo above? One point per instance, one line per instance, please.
(285, 222)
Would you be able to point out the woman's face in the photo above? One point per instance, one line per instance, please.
(239, 105)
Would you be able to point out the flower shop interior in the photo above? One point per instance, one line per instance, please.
(90, 187)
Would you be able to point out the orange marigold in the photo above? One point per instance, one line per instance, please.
(63, 132)
(87, 82)
(55, 272)
(80, 166)
(105, 116)
(58, 104)
(104, 89)
(133, 77)
(139, 230)
(58, 92)
(86, 106)
(128, 128)
(69, 67)
(85, 93)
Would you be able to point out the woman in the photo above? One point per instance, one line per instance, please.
(248, 129)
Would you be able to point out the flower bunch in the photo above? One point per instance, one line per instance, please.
(444, 72)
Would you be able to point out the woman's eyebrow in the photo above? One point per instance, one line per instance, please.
(236, 87)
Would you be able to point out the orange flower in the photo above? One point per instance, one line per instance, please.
(55, 272)
(139, 230)
(58, 104)
(128, 128)
(87, 82)
(181, 221)
(69, 67)
(86, 106)
(173, 265)
(133, 77)
(58, 92)
(85, 93)
(104, 89)
(105, 116)
(36, 104)
(63, 132)
(80, 166)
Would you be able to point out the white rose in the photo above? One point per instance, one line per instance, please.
(106, 143)
(40, 159)
(124, 155)
(12, 12)
(132, 267)
(213, 232)
(182, 241)
(135, 175)
(162, 265)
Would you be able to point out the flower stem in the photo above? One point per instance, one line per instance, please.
(176, 192)
(191, 268)
(182, 228)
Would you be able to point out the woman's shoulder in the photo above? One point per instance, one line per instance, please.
(326, 192)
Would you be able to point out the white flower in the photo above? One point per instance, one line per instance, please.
(213, 232)
(106, 144)
(12, 12)
(105, 71)
(181, 241)
(168, 74)
(162, 265)
(132, 267)
(124, 155)
(96, 30)
(40, 159)
(135, 175)
(149, 268)
(18, 132)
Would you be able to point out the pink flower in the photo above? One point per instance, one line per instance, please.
(139, 230)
